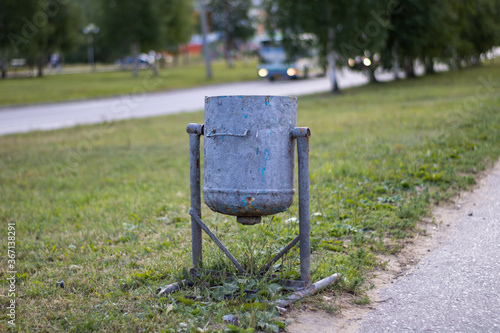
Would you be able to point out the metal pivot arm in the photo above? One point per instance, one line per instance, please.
(217, 242)
(302, 135)
(195, 131)
(279, 255)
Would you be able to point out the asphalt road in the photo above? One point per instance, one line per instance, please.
(18, 119)
(457, 287)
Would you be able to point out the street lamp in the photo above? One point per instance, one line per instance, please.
(91, 30)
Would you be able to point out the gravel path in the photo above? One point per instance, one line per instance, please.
(457, 287)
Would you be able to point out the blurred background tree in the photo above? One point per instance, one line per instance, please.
(36, 29)
(389, 32)
(12, 41)
(381, 33)
(137, 24)
(179, 24)
(230, 18)
(422, 29)
(57, 35)
(478, 29)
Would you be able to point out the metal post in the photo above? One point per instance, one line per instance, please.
(204, 31)
(91, 30)
(302, 134)
(195, 131)
(91, 52)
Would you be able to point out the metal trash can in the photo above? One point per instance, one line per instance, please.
(249, 155)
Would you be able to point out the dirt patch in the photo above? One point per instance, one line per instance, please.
(345, 316)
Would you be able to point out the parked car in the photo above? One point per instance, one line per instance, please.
(145, 61)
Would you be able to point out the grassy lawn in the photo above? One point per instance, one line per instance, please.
(104, 208)
(52, 88)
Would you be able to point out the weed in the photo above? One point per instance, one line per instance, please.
(363, 300)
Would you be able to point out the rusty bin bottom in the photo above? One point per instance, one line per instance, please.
(248, 220)
(248, 205)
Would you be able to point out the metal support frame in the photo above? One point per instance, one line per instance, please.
(195, 131)
(301, 134)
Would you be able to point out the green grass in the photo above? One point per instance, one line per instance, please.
(104, 208)
(54, 88)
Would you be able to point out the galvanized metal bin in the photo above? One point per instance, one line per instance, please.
(249, 155)
(249, 172)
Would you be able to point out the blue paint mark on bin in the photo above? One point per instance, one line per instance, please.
(263, 169)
